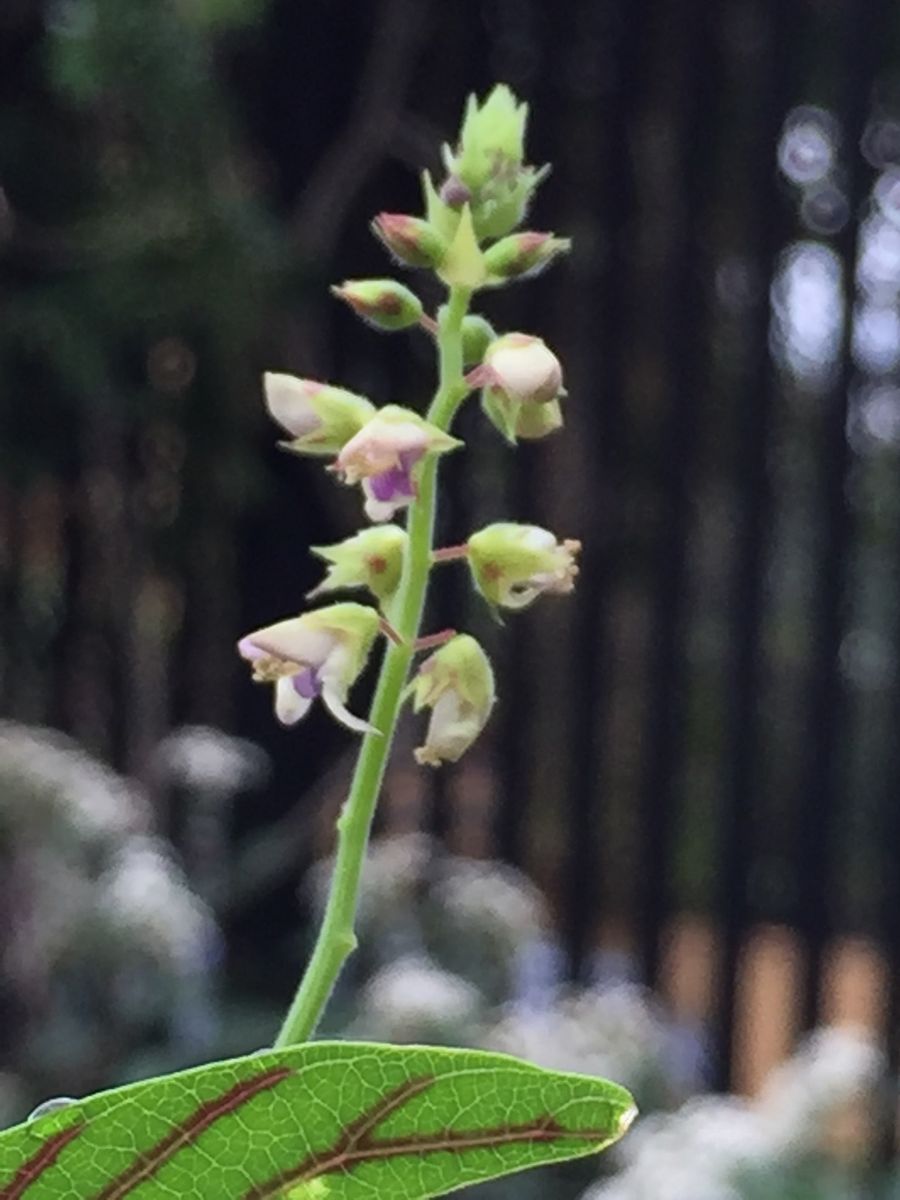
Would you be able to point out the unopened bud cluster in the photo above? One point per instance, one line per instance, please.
(469, 236)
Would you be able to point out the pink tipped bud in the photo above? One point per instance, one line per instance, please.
(384, 303)
(413, 241)
(521, 380)
(523, 254)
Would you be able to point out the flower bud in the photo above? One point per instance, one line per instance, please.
(492, 133)
(513, 564)
(522, 255)
(318, 654)
(415, 242)
(372, 558)
(477, 335)
(489, 163)
(320, 418)
(520, 372)
(525, 367)
(457, 684)
(384, 303)
(385, 456)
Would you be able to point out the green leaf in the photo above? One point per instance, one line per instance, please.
(325, 1121)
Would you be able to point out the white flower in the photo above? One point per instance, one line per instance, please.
(320, 653)
(413, 992)
(833, 1068)
(319, 417)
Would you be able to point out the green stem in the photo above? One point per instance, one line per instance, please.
(337, 939)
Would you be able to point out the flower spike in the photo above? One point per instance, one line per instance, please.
(318, 654)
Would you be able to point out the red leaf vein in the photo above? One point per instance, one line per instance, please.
(41, 1161)
(150, 1161)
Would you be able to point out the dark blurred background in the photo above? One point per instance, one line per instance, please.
(696, 757)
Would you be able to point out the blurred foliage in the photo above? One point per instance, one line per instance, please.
(158, 245)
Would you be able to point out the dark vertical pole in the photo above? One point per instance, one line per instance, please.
(768, 232)
(890, 893)
(685, 351)
(600, 316)
(864, 41)
(529, 55)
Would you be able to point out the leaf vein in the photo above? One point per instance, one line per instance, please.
(150, 1161)
(356, 1145)
(41, 1161)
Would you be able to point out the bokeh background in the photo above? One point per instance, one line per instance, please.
(676, 849)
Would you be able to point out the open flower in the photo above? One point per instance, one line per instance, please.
(319, 653)
(384, 457)
(457, 684)
(320, 418)
(513, 564)
(520, 374)
(372, 558)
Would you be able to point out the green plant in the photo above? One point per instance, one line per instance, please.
(347, 1119)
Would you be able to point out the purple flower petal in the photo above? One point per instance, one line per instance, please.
(307, 683)
(249, 650)
(393, 483)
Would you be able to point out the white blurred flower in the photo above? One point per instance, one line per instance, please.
(145, 899)
(413, 994)
(393, 870)
(492, 896)
(611, 1032)
(51, 785)
(704, 1150)
(833, 1068)
(199, 757)
(697, 1153)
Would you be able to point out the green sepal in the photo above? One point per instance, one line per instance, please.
(463, 264)
(372, 558)
(502, 410)
(441, 216)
